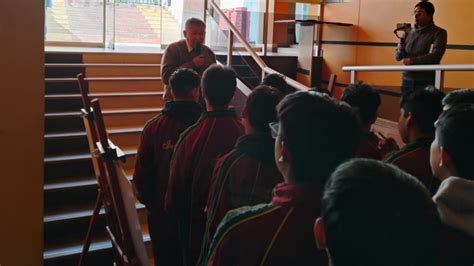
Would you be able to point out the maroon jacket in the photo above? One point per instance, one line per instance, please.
(456, 249)
(157, 141)
(278, 233)
(243, 177)
(414, 159)
(194, 159)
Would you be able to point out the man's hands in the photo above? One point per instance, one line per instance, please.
(406, 61)
(198, 61)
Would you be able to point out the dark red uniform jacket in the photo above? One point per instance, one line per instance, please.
(457, 248)
(368, 147)
(278, 233)
(243, 177)
(414, 159)
(157, 141)
(194, 159)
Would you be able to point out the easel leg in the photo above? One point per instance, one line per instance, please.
(87, 241)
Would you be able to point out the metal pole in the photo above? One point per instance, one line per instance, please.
(439, 78)
(230, 48)
(265, 28)
(353, 77)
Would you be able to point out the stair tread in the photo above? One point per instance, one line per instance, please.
(105, 94)
(101, 65)
(83, 156)
(75, 248)
(111, 131)
(76, 213)
(102, 79)
(79, 182)
(105, 112)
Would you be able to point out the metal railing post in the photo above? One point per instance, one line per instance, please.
(353, 77)
(230, 48)
(265, 29)
(439, 79)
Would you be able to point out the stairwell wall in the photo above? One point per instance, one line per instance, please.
(21, 132)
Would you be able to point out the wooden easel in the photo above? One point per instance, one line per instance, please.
(114, 192)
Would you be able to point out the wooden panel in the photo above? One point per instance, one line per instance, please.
(370, 55)
(379, 18)
(21, 132)
(457, 17)
(336, 56)
(305, 54)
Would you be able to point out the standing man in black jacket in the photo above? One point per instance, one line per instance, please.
(425, 44)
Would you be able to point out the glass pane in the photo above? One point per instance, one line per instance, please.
(110, 24)
(244, 65)
(248, 17)
(137, 22)
(74, 20)
(174, 15)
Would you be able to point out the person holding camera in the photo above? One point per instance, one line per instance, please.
(424, 44)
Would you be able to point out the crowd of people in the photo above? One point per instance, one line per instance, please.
(300, 178)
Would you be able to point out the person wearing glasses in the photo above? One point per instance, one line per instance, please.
(247, 174)
(452, 162)
(313, 136)
(425, 44)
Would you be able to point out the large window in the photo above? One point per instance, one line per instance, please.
(104, 23)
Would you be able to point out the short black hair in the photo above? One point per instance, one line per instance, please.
(278, 82)
(425, 106)
(261, 107)
(457, 97)
(218, 85)
(194, 21)
(183, 80)
(455, 131)
(319, 132)
(363, 98)
(427, 6)
(375, 214)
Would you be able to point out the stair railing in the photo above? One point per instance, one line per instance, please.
(438, 69)
(235, 33)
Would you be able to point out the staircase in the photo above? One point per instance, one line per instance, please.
(130, 91)
(249, 75)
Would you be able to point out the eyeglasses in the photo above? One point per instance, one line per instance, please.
(274, 129)
(419, 12)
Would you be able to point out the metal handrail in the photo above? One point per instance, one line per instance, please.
(265, 68)
(439, 70)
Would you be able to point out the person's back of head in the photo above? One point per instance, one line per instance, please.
(218, 86)
(376, 214)
(458, 97)
(278, 82)
(184, 83)
(455, 136)
(260, 108)
(365, 99)
(424, 106)
(319, 134)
